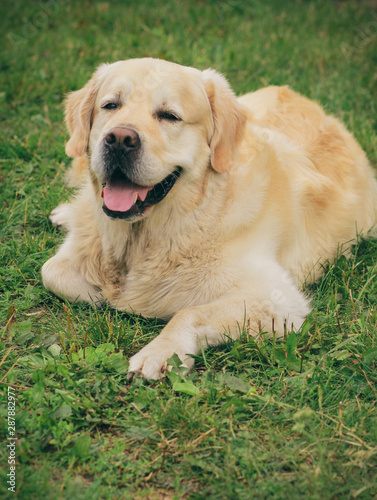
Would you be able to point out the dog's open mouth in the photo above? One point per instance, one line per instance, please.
(123, 199)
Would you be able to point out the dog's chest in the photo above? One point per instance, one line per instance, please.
(160, 281)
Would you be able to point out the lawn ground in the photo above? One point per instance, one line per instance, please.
(256, 418)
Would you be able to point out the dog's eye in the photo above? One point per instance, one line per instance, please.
(167, 115)
(110, 105)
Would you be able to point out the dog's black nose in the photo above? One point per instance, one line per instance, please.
(122, 139)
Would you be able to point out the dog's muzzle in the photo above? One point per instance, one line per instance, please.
(122, 197)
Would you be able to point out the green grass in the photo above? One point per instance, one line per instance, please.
(256, 418)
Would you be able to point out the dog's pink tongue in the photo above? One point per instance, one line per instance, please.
(120, 197)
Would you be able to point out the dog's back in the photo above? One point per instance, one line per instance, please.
(329, 172)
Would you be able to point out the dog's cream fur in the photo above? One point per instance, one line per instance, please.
(270, 187)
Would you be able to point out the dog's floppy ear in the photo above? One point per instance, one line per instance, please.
(78, 112)
(229, 119)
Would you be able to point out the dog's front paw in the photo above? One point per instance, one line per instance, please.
(151, 361)
(61, 215)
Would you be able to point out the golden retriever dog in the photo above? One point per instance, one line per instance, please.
(203, 209)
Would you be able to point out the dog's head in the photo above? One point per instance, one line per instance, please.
(149, 124)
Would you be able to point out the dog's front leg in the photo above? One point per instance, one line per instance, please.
(62, 275)
(198, 327)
